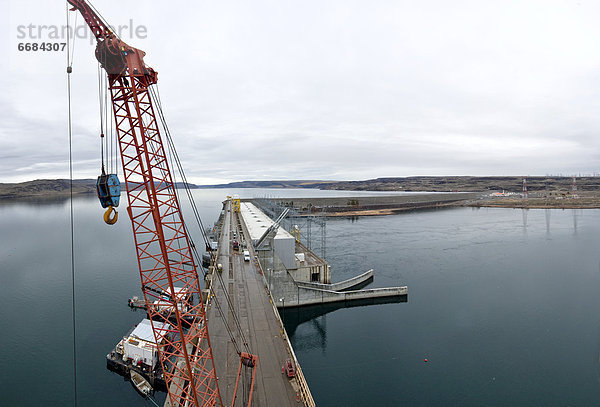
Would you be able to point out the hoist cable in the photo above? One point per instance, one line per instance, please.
(170, 144)
(103, 20)
(172, 152)
(101, 106)
(72, 51)
(70, 130)
(107, 123)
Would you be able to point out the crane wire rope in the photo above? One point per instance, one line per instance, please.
(170, 144)
(101, 105)
(171, 152)
(69, 70)
(72, 50)
(115, 144)
(70, 131)
(107, 123)
(152, 400)
(103, 20)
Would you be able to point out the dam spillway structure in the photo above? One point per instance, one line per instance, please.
(294, 274)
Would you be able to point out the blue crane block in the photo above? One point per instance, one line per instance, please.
(109, 190)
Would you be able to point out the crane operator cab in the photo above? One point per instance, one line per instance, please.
(108, 188)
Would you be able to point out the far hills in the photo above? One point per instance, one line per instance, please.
(61, 187)
(431, 184)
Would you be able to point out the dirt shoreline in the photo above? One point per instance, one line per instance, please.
(389, 211)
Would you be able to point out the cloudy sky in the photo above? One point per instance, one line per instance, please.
(314, 89)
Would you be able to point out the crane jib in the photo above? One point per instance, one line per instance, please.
(164, 255)
(164, 250)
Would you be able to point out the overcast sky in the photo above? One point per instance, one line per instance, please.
(317, 89)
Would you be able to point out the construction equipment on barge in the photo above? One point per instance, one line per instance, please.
(166, 257)
(137, 352)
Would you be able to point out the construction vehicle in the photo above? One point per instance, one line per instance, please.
(166, 261)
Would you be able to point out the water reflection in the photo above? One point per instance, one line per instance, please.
(316, 338)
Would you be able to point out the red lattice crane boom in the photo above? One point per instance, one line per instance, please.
(167, 268)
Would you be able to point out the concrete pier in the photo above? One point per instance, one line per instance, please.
(260, 321)
(342, 285)
(276, 272)
(295, 275)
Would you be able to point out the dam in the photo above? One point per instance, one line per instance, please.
(259, 267)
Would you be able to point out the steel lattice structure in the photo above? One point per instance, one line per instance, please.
(165, 260)
(170, 282)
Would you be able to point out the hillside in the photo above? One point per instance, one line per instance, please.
(42, 188)
(273, 184)
(466, 184)
(60, 187)
(431, 184)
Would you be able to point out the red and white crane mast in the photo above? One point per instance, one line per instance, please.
(169, 278)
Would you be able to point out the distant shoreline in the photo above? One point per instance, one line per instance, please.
(544, 192)
(397, 204)
(587, 201)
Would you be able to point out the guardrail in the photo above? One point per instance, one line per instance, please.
(305, 393)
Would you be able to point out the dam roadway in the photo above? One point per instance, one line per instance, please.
(260, 324)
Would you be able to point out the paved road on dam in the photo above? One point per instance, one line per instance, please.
(260, 325)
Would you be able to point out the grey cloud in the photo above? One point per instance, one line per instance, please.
(342, 89)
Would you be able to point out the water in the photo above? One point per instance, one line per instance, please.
(501, 304)
(503, 307)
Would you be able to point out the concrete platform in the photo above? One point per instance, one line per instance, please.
(260, 323)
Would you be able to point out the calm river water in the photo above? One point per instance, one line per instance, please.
(502, 303)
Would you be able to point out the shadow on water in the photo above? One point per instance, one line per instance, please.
(294, 317)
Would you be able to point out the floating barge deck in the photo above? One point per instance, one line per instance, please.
(119, 361)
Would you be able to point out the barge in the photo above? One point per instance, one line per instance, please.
(137, 351)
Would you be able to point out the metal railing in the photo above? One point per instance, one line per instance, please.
(304, 390)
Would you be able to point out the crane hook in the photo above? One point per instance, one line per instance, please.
(107, 216)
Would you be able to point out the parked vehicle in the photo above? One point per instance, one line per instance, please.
(290, 369)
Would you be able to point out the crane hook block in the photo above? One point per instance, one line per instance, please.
(107, 216)
(109, 190)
